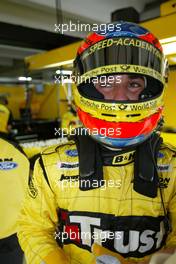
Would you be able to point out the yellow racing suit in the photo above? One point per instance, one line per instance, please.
(14, 172)
(60, 222)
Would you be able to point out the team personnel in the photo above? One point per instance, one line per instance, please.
(70, 120)
(108, 195)
(6, 120)
(14, 174)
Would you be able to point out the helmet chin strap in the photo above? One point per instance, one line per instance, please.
(145, 82)
(91, 160)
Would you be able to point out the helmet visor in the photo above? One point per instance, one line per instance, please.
(120, 55)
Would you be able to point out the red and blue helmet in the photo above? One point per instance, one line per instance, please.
(120, 48)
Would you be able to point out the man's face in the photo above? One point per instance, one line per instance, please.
(121, 87)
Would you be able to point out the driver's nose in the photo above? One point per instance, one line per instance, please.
(117, 93)
(120, 93)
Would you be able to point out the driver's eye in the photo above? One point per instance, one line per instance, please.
(135, 85)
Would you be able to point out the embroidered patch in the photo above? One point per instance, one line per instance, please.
(72, 152)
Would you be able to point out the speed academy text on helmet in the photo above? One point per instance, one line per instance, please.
(123, 48)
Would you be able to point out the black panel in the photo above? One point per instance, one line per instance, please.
(127, 14)
(21, 36)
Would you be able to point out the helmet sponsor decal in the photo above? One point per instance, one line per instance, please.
(120, 68)
(112, 107)
(122, 106)
(122, 42)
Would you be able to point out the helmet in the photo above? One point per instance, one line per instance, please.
(122, 48)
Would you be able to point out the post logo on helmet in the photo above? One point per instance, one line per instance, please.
(133, 51)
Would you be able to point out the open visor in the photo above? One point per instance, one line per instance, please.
(120, 55)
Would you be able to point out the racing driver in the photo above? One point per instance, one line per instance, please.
(108, 195)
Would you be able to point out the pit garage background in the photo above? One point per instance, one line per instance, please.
(34, 56)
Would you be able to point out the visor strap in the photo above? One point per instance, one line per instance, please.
(145, 82)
